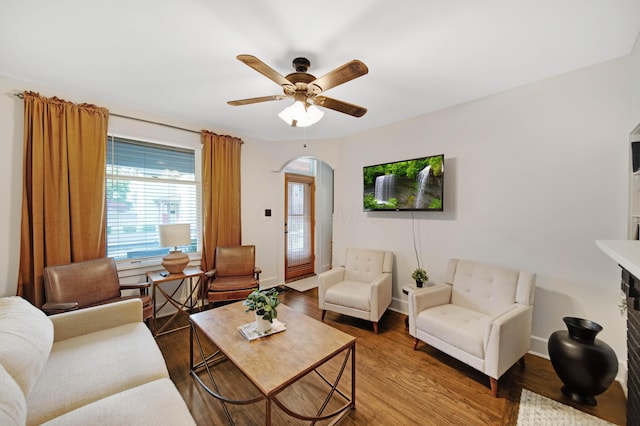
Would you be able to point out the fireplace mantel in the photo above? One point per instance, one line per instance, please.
(625, 252)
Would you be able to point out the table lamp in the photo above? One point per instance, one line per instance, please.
(174, 235)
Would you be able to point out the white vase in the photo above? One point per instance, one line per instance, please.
(262, 324)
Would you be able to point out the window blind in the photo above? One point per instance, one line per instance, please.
(147, 185)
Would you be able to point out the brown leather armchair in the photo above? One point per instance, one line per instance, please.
(235, 274)
(88, 283)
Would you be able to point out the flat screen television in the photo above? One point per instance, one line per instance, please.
(410, 185)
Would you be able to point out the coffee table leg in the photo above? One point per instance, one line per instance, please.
(214, 391)
(339, 413)
(190, 345)
(353, 376)
(267, 412)
(155, 312)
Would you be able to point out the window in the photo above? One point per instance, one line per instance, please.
(148, 185)
(302, 166)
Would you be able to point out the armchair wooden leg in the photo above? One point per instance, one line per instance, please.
(375, 327)
(494, 386)
(415, 343)
(522, 362)
(323, 313)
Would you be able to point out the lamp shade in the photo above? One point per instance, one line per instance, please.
(301, 114)
(174, 235)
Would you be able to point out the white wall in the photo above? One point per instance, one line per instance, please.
(634, 59)
(11, 122)
(324, 218)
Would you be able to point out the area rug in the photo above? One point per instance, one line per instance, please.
(304, 284)
(538, 410)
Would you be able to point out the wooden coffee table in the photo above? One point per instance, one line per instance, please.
(290, 355)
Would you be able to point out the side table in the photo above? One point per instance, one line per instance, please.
(411, 287)
(156, 278)
(407, 288)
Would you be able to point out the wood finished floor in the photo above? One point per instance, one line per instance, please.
(395, 384)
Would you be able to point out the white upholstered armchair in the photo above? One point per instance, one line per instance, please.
(361, 288)
(481, 316)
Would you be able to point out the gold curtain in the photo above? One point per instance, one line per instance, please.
(220, 194)
(63, 196)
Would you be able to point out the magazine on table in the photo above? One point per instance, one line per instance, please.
(250, 330)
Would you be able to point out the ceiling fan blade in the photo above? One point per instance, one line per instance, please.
(256, 100)
(264, 69)
(342, 74)
(340, 106)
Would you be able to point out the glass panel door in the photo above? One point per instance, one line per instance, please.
(299, 226)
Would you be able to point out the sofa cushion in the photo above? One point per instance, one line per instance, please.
(459, 327)
(86, 368)
(350, 294)
(26, 336)
(154, 403)
(13, 407)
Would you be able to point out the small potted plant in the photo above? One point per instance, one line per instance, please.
(264, 304)
(420, 275)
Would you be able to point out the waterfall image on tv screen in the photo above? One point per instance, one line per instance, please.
(416, 184)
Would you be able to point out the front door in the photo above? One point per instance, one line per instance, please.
(299, 226)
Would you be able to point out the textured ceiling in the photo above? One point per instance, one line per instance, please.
(178, 58)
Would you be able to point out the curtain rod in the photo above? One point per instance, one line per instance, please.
(21, 96)
(155, 122)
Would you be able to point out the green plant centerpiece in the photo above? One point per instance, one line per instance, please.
(420, 275)
(263, 303)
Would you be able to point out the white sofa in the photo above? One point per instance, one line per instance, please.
(361, 288)
(481, 316)
(94, 366)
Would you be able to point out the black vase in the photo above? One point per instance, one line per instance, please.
(587, 366)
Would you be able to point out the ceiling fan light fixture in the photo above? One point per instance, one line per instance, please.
(301, 114)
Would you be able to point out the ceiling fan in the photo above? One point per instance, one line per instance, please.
(305, 89)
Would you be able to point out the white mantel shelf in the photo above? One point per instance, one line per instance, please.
(625, 252)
